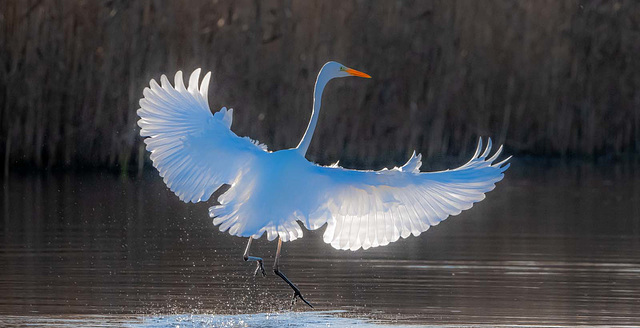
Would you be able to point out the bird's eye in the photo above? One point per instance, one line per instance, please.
(342, 68)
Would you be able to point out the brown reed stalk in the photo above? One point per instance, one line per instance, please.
(548, 78)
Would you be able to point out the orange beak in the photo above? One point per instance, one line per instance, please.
(357, 73)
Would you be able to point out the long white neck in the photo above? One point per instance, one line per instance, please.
(321, 82)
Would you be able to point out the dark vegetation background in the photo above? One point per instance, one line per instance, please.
(548, 78)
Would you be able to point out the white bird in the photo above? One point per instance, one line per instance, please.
(196, 152)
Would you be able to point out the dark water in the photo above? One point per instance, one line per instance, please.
(552, 245)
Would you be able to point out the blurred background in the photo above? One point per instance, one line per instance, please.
(546, 78)
(89, 229)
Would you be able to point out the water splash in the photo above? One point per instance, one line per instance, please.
(264, 320)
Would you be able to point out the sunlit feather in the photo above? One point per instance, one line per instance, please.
(196, 152)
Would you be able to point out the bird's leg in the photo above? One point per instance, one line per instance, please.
(296, 291)
(246, 257)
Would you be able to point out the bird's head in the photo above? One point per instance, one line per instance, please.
(335, 69)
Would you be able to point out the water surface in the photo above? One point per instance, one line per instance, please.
(552, 245)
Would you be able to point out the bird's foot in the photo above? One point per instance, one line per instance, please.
(260, 269)
(296, 295)
(296, 291)
(259, 266)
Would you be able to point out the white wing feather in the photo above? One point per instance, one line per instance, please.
(373, 208)
(194, 151)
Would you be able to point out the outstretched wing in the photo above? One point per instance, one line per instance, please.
(194, 151)
(373, 208)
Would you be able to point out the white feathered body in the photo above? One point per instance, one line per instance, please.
(196, 152)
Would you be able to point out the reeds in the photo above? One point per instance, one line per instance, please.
(544, 77)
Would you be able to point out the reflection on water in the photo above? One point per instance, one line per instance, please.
(551, 245)
(265, 320)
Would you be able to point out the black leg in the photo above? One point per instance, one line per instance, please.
(296, 291)
(246, 257)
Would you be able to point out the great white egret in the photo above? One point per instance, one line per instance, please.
(196, 152)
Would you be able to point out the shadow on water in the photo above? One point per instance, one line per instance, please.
(551, 245)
